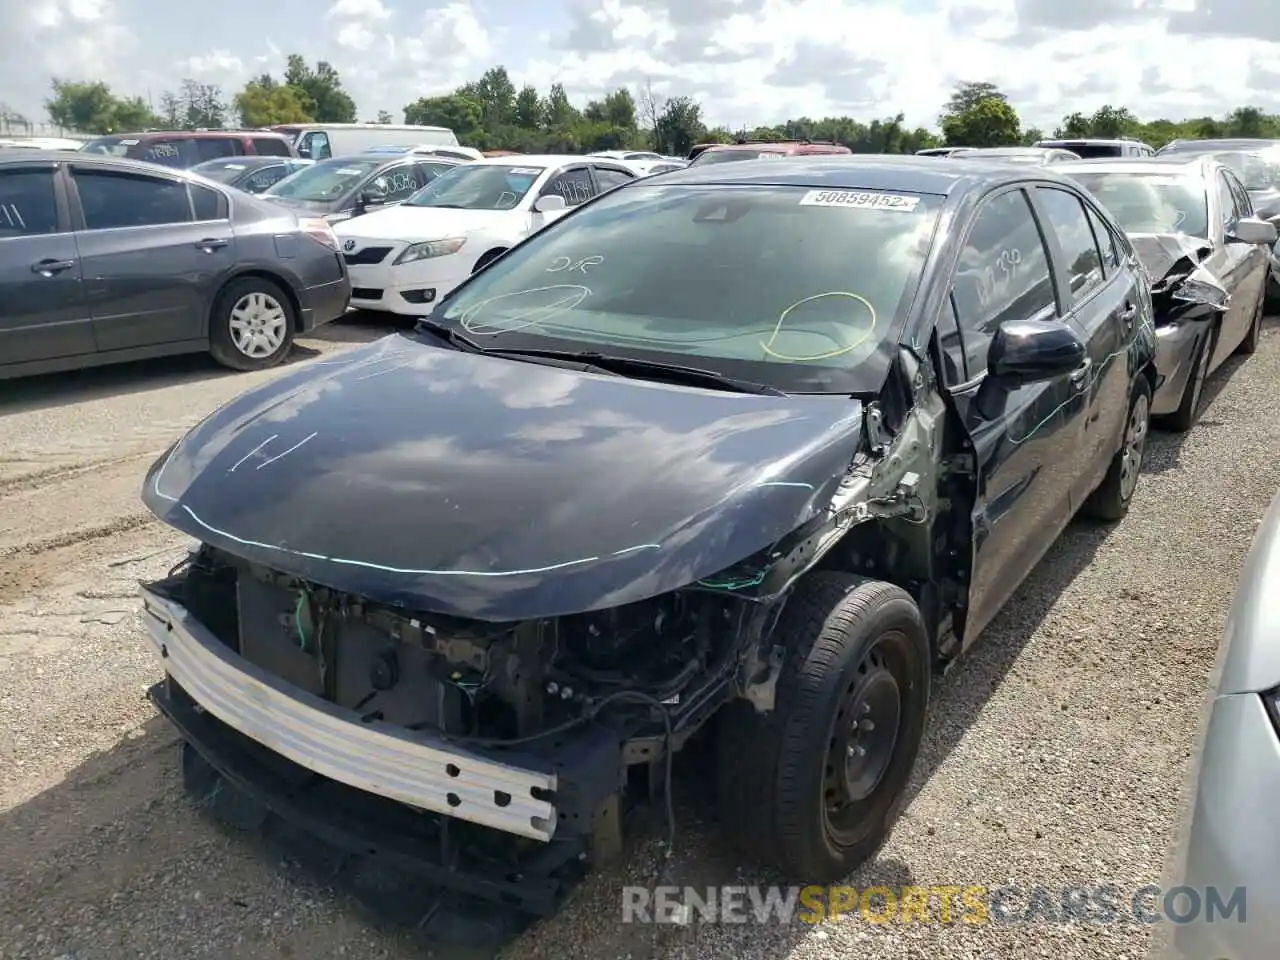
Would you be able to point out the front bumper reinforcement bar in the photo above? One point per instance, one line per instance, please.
(411, 767)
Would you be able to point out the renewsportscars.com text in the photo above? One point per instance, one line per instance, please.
(971, 904)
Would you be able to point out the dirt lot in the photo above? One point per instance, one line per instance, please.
(1055, 753)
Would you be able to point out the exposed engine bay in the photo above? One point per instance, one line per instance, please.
(468, 679)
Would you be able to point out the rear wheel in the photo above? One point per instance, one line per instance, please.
(252, 324)
(815, 786)
(1111, 500)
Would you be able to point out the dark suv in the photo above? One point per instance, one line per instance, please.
(185, 148)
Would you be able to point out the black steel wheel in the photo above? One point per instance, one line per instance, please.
(814, 786)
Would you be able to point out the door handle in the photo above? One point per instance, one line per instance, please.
(47, 268)
(211, 244)
(1128, 312)
(1081, 373)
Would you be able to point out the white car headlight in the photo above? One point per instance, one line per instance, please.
(429, 250)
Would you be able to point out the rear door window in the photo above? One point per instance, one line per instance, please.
(171, 152)
(213, 148)
(208, 204)
(574, 185)
(428, 170)
(113, 200)
(610, 177)
(28, 203)
(270, 147)
(264, 177)
(396, 184)
(1106, 241)
(1070, 224)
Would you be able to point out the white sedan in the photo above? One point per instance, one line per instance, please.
(405, 258)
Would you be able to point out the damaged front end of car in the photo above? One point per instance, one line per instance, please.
(490, 730)
(1186, 297)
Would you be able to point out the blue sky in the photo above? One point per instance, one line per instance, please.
(747, 61)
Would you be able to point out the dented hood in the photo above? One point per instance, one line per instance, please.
(490, 488)
(1182, 288)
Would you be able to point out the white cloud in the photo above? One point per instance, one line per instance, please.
(748, 61)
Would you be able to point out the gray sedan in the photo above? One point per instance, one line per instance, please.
(1229, 843)
(1182, 214)
(105, 260)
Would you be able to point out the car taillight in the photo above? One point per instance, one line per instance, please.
(319, 230)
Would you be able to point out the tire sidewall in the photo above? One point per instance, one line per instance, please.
(222, 344)
(815, 845)
(1141, 388)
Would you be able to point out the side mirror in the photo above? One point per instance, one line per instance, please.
(1252, 230)
(1032, 351)
(551, 203)
(371, 198)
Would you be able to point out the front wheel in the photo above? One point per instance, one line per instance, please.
(815, 786)
(1184, 418)
(1111, 500)
(252, 324)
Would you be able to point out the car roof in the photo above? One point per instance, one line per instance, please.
(1100, 141)
(537, 160)
(1149, 165)
(28, 157)
(198, 134)
(1010, 151)
(905, 172)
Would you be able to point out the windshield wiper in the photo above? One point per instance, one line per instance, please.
(449, 335)
(655, 369)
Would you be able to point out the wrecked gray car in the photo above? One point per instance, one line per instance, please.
(1207, 257)
(679, 462)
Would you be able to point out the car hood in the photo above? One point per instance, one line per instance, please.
(495, 489)
(418, 224)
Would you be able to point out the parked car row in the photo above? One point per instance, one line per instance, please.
(687, 460)
(104, 259)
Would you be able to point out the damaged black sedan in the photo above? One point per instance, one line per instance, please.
(753, 448)
(1208, 259)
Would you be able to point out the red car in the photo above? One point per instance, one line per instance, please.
(185, 148)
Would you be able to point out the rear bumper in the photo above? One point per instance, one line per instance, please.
(324, 303)
(387, 761)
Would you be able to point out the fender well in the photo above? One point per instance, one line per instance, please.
(282, 282)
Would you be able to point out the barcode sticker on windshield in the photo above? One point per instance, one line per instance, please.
(525, 171)
(349, 171)
(860, 199)
(128, 143)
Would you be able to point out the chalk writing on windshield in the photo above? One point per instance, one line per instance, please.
(562, 264)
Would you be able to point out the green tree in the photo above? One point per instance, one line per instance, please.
(264, 103)
(978, 115)
(324, 98)
(202, 105)
(528, 111)
(680, 126)
(93, 108)
(462, 114)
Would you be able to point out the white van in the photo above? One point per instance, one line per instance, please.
(320, 141)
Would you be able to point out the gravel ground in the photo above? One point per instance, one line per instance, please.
(1055, 753)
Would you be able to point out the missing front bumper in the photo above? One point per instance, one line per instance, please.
(380, 759)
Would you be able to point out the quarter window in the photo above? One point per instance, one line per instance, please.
(207, 203)
(608, 178)
(1070, 224)
(28, 206)
(113, 200)
(1003, 275)
(574, 185)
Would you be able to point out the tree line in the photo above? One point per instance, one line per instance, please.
(491, 113)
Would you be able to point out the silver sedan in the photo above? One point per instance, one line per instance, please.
(1231, 840)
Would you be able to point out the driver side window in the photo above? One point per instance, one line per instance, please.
(1226, 200)
(1003, 274)
(396, 184)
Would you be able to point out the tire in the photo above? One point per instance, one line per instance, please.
(487, 258)
(1184, 418)
(854, 647)
(266, 309)
(1111, 500)
(1249, 345)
